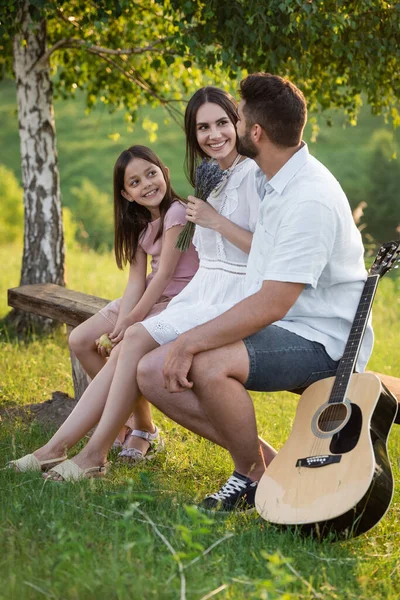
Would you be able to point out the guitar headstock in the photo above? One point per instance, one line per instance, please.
(388, 254)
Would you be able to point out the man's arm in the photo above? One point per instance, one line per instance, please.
(269, 304)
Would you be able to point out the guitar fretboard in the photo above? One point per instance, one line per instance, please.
(348, 361)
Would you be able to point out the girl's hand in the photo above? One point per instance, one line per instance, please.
(104, 351)
(119, 330)
(203, 214)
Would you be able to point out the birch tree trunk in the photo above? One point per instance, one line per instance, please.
(43, 257)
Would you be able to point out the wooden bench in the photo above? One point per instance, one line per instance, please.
(59, 303)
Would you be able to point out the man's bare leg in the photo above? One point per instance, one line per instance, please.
(186, 409)
(219, 376)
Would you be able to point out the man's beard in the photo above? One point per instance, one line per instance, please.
(245, 146)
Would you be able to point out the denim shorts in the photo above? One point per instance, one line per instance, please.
(281, 360)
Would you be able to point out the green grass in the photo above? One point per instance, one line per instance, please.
(101, 539)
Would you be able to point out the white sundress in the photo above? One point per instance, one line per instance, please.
(219, 282)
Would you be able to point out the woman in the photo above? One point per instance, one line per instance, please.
(223, 239)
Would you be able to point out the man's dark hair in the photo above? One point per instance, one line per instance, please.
(275, 104)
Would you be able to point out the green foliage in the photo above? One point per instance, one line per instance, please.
(12, 208)
(121, 53)
(334, 50)
(382, 213)
(12, 212)
(135, 54)
(70, 229)
(93, 210)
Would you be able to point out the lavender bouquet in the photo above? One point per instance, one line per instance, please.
(208, 176)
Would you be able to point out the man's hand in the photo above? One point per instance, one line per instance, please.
(177, 366)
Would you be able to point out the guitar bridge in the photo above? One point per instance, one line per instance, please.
(313, 462)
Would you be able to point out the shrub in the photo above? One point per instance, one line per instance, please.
(381, 217)
(93, 211)
(12, 208)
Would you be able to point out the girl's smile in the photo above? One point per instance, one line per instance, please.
(216, 134)
(144, 183)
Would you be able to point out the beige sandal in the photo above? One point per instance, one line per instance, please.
(29, 462)
(133, 456)
(71, 472)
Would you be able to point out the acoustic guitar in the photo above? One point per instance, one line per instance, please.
(333, 475)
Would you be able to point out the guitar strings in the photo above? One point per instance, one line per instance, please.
(333, 412)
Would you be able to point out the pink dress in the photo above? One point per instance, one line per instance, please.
(185, 269)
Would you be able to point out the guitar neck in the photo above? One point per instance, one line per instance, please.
(349, 358)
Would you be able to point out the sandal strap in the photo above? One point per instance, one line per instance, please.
(150, 437)
(133, 453)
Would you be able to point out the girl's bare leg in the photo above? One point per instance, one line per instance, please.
(85, 414)
(122, 397)
(82, 343)
(140, 419)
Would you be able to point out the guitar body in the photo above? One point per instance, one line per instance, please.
(333, 474)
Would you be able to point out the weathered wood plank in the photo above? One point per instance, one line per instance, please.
(56, 302)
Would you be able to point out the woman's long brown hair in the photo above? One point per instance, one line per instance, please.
(194, 154)
(130, 218)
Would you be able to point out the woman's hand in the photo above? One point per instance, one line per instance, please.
(119, 330)
(201, 213)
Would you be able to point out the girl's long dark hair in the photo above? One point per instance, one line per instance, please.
(194, 154)
(130, 218)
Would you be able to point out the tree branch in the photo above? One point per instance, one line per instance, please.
(174, 113)
(76, 43)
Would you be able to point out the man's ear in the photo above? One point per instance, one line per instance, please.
(256, 132)
(126, 196)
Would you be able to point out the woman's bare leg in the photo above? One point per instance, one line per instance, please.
(82, 344)
(122, 396)
(85, 414)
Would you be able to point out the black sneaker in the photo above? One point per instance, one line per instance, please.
(237, 494)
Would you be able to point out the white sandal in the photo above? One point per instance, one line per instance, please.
(134, 456)
(71, 472)
(29, 462)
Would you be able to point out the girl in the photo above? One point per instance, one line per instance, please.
(147, 221)
(223, 238)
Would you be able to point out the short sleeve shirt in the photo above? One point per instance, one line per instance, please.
(188, 262)
(306, 234)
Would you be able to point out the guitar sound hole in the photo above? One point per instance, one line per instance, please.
(332, 417)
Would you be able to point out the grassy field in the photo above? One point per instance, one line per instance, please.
(137, 534)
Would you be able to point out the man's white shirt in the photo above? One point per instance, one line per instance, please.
(306, 234)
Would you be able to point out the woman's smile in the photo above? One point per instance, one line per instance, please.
(216, 134)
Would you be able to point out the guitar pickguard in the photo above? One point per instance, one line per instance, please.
(347, 438)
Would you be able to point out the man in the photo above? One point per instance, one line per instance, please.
(304, 280)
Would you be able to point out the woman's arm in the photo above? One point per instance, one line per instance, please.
(168, 261)
(205, 215)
